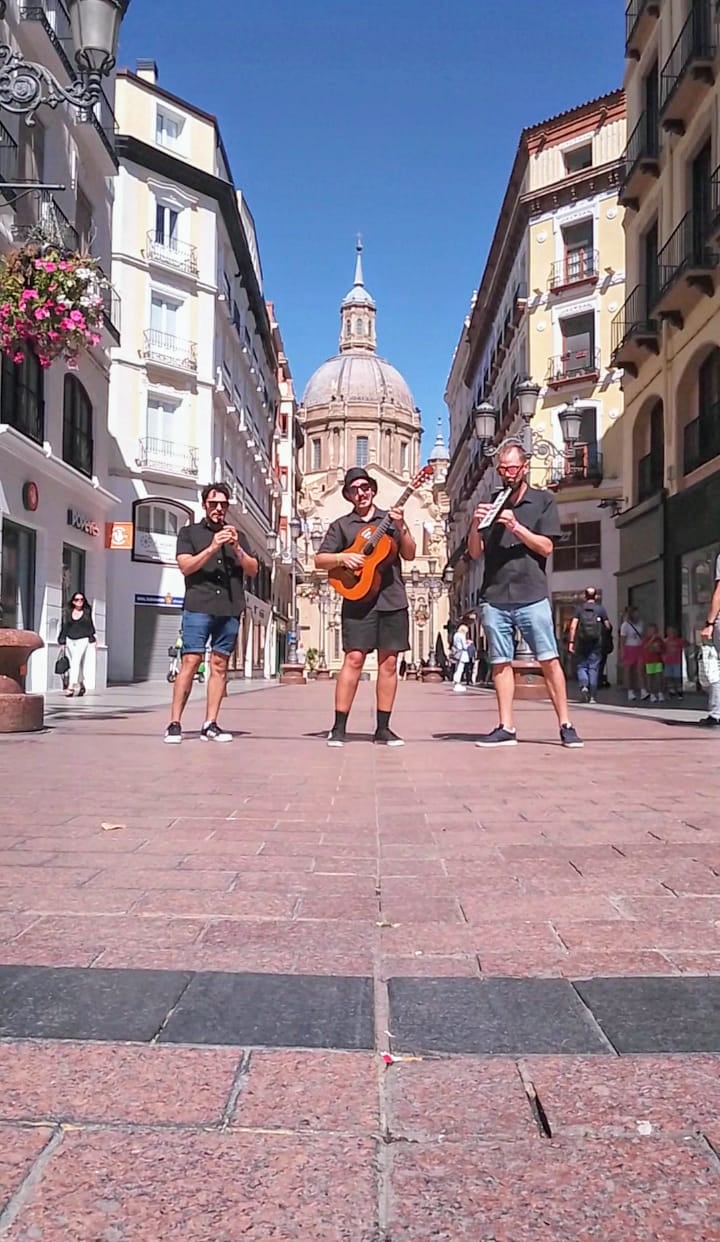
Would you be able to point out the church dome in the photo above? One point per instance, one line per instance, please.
(358, 379)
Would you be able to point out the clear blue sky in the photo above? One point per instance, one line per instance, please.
(398, 119)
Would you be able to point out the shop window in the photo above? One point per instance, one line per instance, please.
(73, 572)
(77, 426)
(579, 547)
(17, 577)
(21, 400)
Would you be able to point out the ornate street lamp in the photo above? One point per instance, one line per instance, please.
(485, 421)
(317, 534)
(271, 542)
(25, 85)
(295, 527)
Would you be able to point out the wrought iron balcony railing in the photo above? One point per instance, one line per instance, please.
(55, 20)
(577, 267)
(686, 250)
(643, 145)
(701, 439)
(633, 320)
(583, 464)
(180, 256)
(650, 476)
(634, 13)
(8, 161)
(696, 44)
(575, 364)
(168, 456)
(169, 350)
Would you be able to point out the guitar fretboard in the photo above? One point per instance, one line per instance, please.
(385, 523)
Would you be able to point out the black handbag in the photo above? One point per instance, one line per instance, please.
(62, 665)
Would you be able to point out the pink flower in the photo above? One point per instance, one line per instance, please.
(50, 267)
(77, 316)
(95, 339)
(40, 313)
(44, 362)
(27, 294)
(19, 357)
(65, 267)
(53, 336)
(67, 324)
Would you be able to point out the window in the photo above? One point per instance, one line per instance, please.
(578, 247)
(73, 572)
(161, 420)
(158, 520)
(156, 526)
(361, 451)
(21, 399)
(77, 426)
(403, 458)
(651, 270)
(651, 466)
(578, 338)
(701, 171)
(168, 130)
(579, 547)
(84, 226)
(578, 158)
(17, 577)
(316, 455)
(163, 315)
(166, 219)
(359, 327)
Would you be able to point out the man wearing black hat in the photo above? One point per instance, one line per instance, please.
(379, 624)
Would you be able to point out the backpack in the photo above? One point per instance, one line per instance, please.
(590, 626)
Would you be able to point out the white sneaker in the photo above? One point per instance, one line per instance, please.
(644, 694)
(631, 696)
(653, 698)
(458, 688)
(661, 698)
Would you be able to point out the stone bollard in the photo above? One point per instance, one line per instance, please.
(292, 675)
(432, 674)
(19, 712)
(529, 681)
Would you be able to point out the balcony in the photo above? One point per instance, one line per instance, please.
(634, 335)
(8, 162)
(577, 366)
(583, 464)
(641, 161)
(52, 22)
(640, 17)
(578, 267)
(102, 118)
(687, 268)
(111, 309)
(167, 457)
(701, 439)
(689, 70)
(520, 301)
(650, 477)
(169, 253)
(169, 351)
(714, 226)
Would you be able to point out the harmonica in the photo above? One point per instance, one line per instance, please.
(496, 509)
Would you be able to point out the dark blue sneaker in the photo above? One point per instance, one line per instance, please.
(569, 737)
(498, 737)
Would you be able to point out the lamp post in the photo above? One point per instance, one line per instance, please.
(25, 85)
(271, 545)
(291, 673)
(324, 592)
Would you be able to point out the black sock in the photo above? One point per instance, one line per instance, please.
(383, 720)
(341, 719)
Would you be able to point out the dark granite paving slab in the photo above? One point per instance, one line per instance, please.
(508, 1017)
(656, 1014)
(38, 1002)
(296, 1011)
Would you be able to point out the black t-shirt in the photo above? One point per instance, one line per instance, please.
(216, 588)
(514, 575)
(590, 616)
(338, 538)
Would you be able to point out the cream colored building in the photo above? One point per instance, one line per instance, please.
(357, 410)
(553, 281)
(667, 335)
(194, 394)
(55, 492)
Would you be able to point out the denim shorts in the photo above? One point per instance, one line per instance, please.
(198, 627)
(535, 623)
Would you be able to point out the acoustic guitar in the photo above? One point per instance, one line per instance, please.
(377, 547)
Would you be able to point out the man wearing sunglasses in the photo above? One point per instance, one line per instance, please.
(214, 566)
(514, 592)
(378, 625)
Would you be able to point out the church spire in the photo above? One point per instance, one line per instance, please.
(357, 313)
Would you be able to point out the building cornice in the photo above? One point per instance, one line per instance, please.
(574, 189)
(162, 162)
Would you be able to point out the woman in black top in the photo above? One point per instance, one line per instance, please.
(76, 633)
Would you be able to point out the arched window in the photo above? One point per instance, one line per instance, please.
(650, 453)
(359, 327)
(157, 524)
(21, 403)
(77, 426)
(361, 451)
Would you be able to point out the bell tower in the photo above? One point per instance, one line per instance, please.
(357, 314)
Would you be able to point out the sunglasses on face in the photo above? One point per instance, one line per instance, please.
(361, 487)
(218, 504)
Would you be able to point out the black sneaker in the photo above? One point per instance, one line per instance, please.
(709, 722)
(584, 694)
(213, 733)
(173, 733)
(336, 737)
(569, 737)
(386, 737)
(498, 737)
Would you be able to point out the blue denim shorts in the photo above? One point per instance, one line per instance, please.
(535, 623)
(198, 627)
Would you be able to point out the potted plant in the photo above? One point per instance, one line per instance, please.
(311, 661)
(51, 301)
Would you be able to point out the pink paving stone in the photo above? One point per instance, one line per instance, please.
(626, 935)
(429, 967)
(241, 904)
(215, 881)
(203, 1187)
(695, 963)
(486, 937)
(459, 1098)
(19, 1148)
(48, 899)
(592, 1191)
(11, 925)
(429, 910)
(63, 877)
(60, 1081)
(536, 908)
(105, 930)
(668, 908)
(595, 1095)
(339, 906)
(310, 1091)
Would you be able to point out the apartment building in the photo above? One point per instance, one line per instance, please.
(55, 493)
(666, 337)
(288, 441)
(553, 280)
(194, 390)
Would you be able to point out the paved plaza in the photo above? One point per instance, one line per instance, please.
(274, 991)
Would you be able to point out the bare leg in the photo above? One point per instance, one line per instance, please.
(386, 680)
(217, 683)
(347, 681)
(504, 682)
(557, 688)
(183, 684)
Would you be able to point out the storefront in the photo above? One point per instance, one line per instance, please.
(692, 544)
(641, 578)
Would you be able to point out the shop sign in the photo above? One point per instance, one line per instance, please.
(151, 546)
(169, 601)
(119, 536)
(79, 521)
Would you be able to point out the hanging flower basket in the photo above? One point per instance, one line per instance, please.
(50, 301)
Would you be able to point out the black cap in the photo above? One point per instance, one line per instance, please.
(357, 472)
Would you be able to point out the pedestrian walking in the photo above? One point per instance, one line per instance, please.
(77, 632)
(214, 566)
(378, 624)
(653, 651)
(514, 592)
(632, 632)
(586, 642)
(468, 675)
(460, 645)
(710, 633)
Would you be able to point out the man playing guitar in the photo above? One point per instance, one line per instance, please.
(379, 623)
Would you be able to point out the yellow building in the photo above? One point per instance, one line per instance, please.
(667, 335)
(194, 394)
(553, 281)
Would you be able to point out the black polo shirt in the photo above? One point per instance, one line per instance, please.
(339, 536)
(217, 588)
(514, 575)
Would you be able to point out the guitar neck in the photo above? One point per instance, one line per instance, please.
(385, 523)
